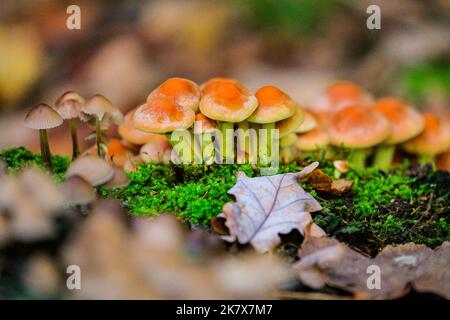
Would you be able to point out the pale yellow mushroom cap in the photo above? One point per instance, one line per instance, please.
(290, 124)
(94, 170)
(308, 124)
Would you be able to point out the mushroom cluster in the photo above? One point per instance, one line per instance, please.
(348, 117)
(97, 111)
(221, 121)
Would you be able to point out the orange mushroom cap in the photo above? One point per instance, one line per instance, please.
(227, 100)
(434, 139)
(358, 127)
(308, 124)
(342, 94)
(117, 153)
(406, 122)
(129, 133)
(184, 92)
(274, 105)
(162, 115)
(204, 123)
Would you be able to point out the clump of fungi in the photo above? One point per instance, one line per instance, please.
(222, 120)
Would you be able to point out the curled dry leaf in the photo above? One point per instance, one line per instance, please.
(267, 206)
(326, 261)
(322, 182)
(435, 277)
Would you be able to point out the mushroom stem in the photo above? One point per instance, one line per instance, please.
(207, 148)
(73, 133)
(98, 138)
(228, 142)
(198, 148)
(253, 143)
(357, 158)
(383, 157)
(183, 145)
(286, 155)
(242, 142)
(45, 149)
(427, 159)
(269, 127)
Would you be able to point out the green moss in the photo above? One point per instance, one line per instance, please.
(382, 208)
(18, 158)
(402, 206)
(195, 193)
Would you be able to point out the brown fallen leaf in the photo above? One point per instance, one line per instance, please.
(326, 261)
(267, 206)
(435, 277)
(322, 182)
(218, 226)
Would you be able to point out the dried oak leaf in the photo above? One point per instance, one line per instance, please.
(436, 274)
(326, 261)
(322, 182)
(267, 206)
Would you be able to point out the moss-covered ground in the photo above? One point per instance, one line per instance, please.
(407, 204)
